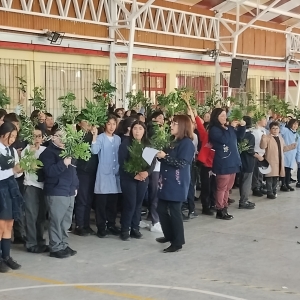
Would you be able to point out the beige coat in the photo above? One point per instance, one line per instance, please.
(272, 156)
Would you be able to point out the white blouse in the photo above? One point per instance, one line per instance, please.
(4, 174)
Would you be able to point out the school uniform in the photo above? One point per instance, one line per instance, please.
(174, 182)
(247, 168)
(35, 209)
(11, 200)
(107, 185)
(86, 172)
(19, 225)
(60, 186)
(11, 203)
(133, 192)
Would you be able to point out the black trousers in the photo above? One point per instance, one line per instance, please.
(287, 179)
(191, 192)
(106, 210)
(208, 185)
(133, 195)
(171, 221)
(19, 225)
(84, 198)
(152, 196)
(271, 183)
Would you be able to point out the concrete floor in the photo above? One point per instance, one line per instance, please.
(254, 256)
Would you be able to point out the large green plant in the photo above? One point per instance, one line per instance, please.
(104, 91)
(4, 98)
(279, 106)
(75, 147)
(135, 164)
(29, 163)
(38, 100)
(70, 111)
(161, 138)
(95, 113)
(139, 100)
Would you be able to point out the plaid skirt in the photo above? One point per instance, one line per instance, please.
(11, 200)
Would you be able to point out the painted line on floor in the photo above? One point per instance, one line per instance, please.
(84, 287)
(91, 287)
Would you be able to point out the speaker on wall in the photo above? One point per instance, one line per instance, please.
(238, 73)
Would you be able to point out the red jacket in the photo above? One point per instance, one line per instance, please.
(203, 136)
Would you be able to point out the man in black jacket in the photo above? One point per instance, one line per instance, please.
(248, 162)
(60, 188)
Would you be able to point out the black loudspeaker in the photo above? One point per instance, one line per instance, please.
(238, 73)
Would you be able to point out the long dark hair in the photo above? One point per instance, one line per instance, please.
(7, 127)
(291, 123)
(144, 138)
(214, 121)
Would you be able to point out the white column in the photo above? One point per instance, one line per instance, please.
(112, 56)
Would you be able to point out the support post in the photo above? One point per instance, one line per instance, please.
(217, 59)
(112, 53)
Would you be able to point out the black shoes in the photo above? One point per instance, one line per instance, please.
(89, 230)
(193, 215)
(247, 205)
(172, 248)
(70, 251)
(80, 231)
(162, 240)
(135, 233)
(290, 188)
(207, 211)
(185, 218)
(284, 188)
(124, 236)
(38, 249)
(257, 193)
(271, 196)
(102, 233)
(222, 214)
(3, 266)
(114, 230)
(11, 263)
(298, 185)
(61, 253)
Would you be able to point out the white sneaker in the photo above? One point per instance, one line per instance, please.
(144, 224)
(156, 228)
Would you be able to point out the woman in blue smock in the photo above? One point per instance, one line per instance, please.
(174, 181)
(290, 136)
(107, 185)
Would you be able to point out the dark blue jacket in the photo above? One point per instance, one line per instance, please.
(174, 181)
(247, 157)
(224, 141)
(59, 179)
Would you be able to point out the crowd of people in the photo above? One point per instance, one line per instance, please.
(204, 154)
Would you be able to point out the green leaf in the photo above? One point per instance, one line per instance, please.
(95, 113)
(4, 98)
(70, 111)
(135, 163)
(104, 91)
(29, 163)
(243, 146)
(75, 146)
(139, 100)
(161, 138)
(38, 100)
(236, 114)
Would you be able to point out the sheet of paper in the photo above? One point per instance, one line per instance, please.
(149, 154)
